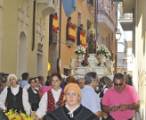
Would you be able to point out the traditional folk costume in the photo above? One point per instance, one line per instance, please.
(52, 103)
(34, 98)
(15, 98)
(49, 102)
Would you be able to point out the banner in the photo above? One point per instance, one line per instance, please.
(69, 7)
(83, 40)
(72, 32)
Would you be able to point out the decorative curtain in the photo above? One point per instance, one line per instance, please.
(83, 40)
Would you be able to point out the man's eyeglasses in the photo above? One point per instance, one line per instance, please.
(120, 84)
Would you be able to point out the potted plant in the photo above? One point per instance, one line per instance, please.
(80, 50)
(103, 53)
(103, 50)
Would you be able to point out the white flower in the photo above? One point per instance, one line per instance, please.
(80, 50)
(102, 49)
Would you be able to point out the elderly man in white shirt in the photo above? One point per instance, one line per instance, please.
(14, 97)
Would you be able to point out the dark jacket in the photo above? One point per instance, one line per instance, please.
(15, 101)
(61, 113)
(34, 99)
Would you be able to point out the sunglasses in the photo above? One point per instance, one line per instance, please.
(118, 84)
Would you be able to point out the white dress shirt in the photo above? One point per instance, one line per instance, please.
(15, 90)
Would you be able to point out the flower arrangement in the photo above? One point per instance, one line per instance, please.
(103, 50)
(13, 115)
(80, 50)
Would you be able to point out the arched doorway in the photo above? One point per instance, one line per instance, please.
(22, 54)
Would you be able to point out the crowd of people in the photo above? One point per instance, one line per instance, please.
(87, 98)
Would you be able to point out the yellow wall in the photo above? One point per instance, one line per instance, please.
(18, 17)
(1, 33)
(9, 46)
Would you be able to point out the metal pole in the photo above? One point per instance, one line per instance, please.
(60, 20)
(96, 20)
(33, 27)
(59, 42)
(116, 53)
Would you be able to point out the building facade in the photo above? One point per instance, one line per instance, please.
(106, 24)
(137, 7)
(98, 17)
(24, 39)
(84, 14)
(27, 45)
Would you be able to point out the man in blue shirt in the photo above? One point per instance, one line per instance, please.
(24, 81)
(90, 99)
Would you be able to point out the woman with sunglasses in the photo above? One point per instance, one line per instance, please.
(122, 100)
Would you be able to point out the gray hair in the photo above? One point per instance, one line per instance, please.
(89, 77)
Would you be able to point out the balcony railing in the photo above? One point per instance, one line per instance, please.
(127, 17)
(121, 59)
(106, 14)
(48, 5)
